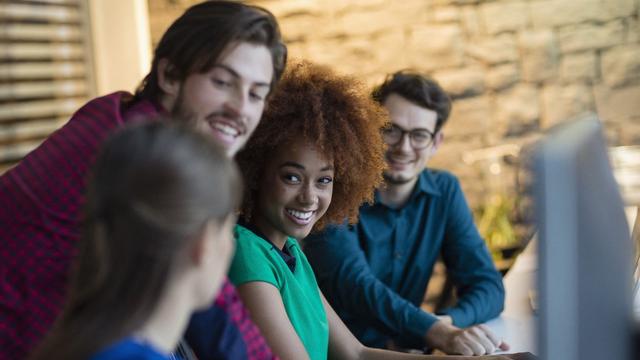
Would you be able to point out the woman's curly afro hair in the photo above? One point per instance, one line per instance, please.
(336, 115)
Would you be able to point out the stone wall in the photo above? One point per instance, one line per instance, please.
(514, 67)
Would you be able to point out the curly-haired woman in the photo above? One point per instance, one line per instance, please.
(313, 160)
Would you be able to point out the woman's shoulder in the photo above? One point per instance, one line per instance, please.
(130, 349)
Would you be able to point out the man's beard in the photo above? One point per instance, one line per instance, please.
(396, 180)
(180, 113)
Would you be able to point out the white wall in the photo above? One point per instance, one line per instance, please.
(121, 43)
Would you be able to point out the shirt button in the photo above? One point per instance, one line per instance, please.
(397, 255)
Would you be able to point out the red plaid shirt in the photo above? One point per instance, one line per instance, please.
(40, 200)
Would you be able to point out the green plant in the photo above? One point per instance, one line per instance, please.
(495, 226)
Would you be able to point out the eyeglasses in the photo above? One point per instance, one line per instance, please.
(418, 138)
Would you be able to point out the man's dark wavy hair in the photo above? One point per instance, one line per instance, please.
(197, 39)
(419, 89)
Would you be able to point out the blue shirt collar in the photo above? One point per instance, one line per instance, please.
(427, 184)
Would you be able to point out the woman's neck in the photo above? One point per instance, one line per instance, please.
(167, 323)
(276, 237)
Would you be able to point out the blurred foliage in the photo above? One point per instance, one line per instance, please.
(494, 224)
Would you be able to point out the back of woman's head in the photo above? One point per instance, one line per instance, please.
(153, 189)
(335, 114)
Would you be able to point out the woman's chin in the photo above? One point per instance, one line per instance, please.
(300, 232)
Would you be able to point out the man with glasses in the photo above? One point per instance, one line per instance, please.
(375, 273)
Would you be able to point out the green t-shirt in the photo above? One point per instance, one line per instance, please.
(256, 260)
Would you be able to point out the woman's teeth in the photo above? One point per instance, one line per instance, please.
(302, 215)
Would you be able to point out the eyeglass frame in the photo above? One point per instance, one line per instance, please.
(403, 132)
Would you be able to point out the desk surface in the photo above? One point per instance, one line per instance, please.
(516, 324)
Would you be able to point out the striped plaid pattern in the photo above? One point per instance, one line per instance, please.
(256, 346)
(40, 200)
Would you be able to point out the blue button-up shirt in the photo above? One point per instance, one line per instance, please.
(375, 273)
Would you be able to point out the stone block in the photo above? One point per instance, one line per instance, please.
(391, 50)
(463, 82)
(357, 56)
(283, 9)
(360, 23)
(373, 19)
(502, 76)
(539, 55)
(298, 50)
(325, 51)
(435, 47)
(633, 28)
(617, 105)
(470, 20)
(552, 13)
(469, 117)
(375, 12)
(455, 2)
(495, 50)
(447, 14)
(412, 12)
(517, 110)
(503, 16)
(339, 7)
(591, 37)
(578, 67)
(337, 53)
(296, 27)
(621, 66)
(618, 8)
(362, 59)
(562, 103)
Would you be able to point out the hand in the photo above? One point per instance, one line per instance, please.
(475, 340)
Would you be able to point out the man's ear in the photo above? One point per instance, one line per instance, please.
(168, 83)
(437, 141)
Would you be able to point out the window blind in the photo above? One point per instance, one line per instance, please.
(46, 71)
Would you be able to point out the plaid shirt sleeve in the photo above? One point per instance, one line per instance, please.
(257, 347)
(40, 201)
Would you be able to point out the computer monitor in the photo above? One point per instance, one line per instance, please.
(585, 252)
